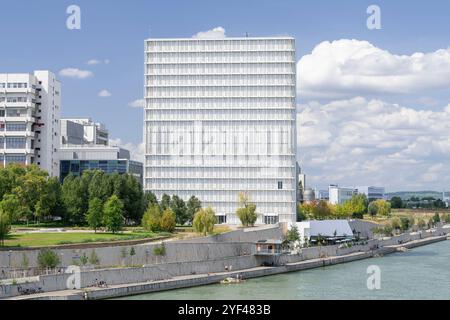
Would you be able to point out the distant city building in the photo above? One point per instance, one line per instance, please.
(76, 159)
(339, 195)
(83, 131)
(29, 119)
(372, 193)
(220, 119)
(309, 195)
(322, 194)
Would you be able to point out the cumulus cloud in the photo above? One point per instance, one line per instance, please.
(104, 93)
(363, 141)
(139, 103)
(345, 68)
(75, 73)
(216, 33)
(137, 151)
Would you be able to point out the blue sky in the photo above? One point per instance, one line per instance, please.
(34, 36)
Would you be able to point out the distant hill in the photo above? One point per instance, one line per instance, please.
(408, 194)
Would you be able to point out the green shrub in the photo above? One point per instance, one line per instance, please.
(48, 259)
(159, 250)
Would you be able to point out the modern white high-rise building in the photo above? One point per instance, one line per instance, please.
(29, 119)
(220, 119)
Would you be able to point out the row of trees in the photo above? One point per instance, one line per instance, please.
(356, 207)
(403, 224)
(416, 202)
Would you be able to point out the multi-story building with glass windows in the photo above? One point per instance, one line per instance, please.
(220, 119)
(75, 159)
(29, 119)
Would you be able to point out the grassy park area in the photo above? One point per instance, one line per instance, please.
(61, 238)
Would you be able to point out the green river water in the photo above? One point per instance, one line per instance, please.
(421, 273)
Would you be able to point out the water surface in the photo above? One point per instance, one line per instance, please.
(421, 273)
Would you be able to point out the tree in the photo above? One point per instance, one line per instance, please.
(421, 224)
(100, 186)
(165, 202)
(149, 199)
(405, 223)
(133, 198)
(5, 226)
(168, 221)
(74, 196)
(372, 210)
(12, 206)
(193, 205)
(247, 212)
(48, 259)
(204, 221)
(397, 203)
(113, 214)
(321, 210)
(178, 206)
(436, 218)
(379, 207)
(396, 223)
(95, 214)
(301, 216)
(358, 204)
(151, 221)
(292, 237)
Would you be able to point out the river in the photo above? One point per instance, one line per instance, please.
(421, 273)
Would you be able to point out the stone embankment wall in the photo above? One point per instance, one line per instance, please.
(235, 243)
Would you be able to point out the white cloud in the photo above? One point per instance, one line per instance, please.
(96, 61)
(216, 33)
(345, 68)
(93, 62)
(371, 142)
(104, 93)
(137, 151)
(137, 103)
(75, 73)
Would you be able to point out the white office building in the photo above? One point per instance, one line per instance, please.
(83, 131)
(372, 193)
(220, 119)
(339, 195)
(29, 119)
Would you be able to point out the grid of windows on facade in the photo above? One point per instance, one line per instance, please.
(14, 85)
(77, 167)
(11, 126)
(271, 219)
(11, 158)
(15, 143)
(220, 116)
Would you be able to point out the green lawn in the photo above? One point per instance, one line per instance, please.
(60, 238)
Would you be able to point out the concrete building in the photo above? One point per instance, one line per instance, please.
(338, 195)
(83, 131)
(76, 159)
(330, 231)
(372, 193)
(322, 194)
(220, 118)
(29, 119)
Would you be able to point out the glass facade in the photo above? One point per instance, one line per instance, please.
(220, 118)
(77, 167)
